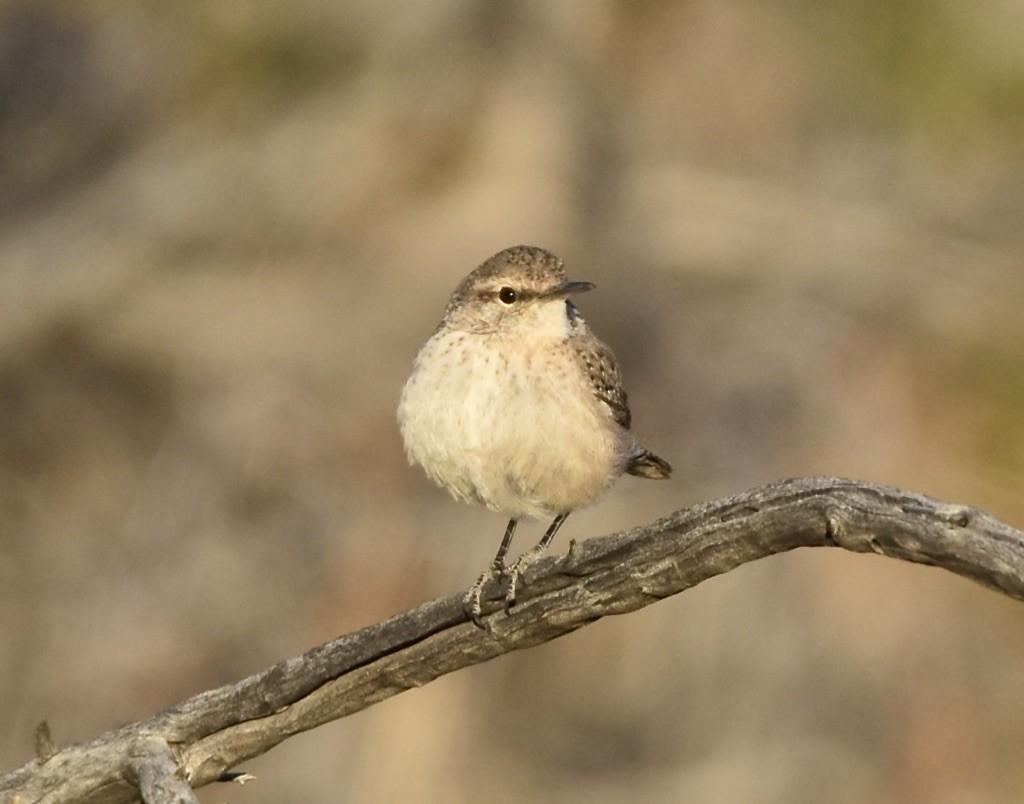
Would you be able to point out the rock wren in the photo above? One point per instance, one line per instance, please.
(514, 403)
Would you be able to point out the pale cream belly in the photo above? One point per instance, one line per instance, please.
(525, 437)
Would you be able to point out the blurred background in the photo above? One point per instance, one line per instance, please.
(225, 229)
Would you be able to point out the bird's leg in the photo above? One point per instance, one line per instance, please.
(471, 602)
(527, 558)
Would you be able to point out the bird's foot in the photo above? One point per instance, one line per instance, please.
(471, 603)
(515, 572)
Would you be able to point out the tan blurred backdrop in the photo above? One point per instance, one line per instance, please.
(226, 227)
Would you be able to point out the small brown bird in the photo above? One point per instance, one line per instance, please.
(514, 403)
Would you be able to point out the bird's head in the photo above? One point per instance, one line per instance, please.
(518, 289)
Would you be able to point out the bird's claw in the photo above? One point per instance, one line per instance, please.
(515, 573)
(512, 574)
(472, 602)
(472, 609)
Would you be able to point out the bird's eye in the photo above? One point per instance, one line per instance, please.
(507, 295)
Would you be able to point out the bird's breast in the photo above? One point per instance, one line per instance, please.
(510, 422)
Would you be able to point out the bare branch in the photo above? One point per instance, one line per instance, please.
(156, 772)
(212, 732)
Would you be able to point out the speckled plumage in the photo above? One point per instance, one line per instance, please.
(514, 403)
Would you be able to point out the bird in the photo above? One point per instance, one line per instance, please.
(514, 403)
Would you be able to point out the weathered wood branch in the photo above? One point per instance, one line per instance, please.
(200, 739)
(153, 766)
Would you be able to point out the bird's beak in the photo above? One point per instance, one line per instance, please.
(568, 288)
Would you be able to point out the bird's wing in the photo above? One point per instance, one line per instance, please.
(605, 379)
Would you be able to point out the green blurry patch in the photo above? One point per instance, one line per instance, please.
(945, 72)
(987, 378)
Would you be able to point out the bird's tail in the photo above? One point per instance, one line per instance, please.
(647, 464)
